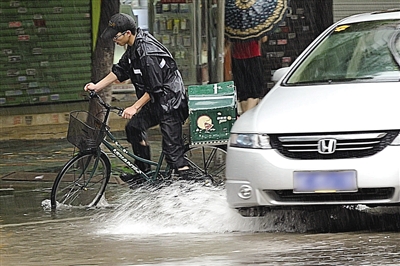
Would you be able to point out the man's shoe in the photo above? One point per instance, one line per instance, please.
(131, 179)
(185, 174)
(190, 174)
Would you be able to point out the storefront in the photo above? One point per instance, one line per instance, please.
(46, 46)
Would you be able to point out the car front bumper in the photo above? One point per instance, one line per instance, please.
(268, 177)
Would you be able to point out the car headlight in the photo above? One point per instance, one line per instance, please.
(251, 141)
(396, 141)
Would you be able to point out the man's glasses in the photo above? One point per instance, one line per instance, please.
(116, 37)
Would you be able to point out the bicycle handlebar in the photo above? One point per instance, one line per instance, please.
(93, 94)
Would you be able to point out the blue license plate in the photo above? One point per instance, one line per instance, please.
(324, 181)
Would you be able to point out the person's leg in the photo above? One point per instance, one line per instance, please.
(249, 103)
(137, 136)
(239, 78)
(243, 106)
(172, 142)
(140, 147)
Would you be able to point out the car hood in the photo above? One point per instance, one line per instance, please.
(325, 108)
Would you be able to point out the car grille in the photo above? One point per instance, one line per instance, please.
(348, 145)
(361, 195)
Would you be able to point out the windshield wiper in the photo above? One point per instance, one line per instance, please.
(333, 80)
(348, 79)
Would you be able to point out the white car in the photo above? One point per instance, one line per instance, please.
(328, 132)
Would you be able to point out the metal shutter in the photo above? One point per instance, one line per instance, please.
(345, 8)
(45, 51)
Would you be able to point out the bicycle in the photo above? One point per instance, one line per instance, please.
(83, 179)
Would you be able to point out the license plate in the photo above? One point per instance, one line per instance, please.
(324, 181)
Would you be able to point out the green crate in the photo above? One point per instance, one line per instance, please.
(212, 112)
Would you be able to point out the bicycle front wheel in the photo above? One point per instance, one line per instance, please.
(82, 181)
(208, 162)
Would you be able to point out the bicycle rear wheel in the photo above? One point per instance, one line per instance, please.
(207, 162)
(82, 181)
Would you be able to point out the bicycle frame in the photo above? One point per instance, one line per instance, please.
(122, 153)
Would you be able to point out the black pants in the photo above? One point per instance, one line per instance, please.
(171, 130)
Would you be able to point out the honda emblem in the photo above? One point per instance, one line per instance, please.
(326, 146)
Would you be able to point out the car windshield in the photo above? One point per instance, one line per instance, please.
(355, 52)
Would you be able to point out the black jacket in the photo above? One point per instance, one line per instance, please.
(152, 69)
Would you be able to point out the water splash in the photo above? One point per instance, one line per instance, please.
(180, 207)
(188, 208)
(184, 207)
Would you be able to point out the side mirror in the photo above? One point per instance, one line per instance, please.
(279, 73)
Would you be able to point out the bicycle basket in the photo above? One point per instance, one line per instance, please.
(85, 131)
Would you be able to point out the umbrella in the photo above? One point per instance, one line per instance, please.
(252, 19)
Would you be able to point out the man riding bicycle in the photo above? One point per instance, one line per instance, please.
(162, 98)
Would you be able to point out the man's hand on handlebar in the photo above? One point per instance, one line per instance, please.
(91, 87)
(93, 94)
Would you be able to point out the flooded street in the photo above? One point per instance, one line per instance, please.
(335, 101)
(188, 224)
(182, 224)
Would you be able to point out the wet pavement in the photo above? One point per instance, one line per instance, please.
(187, 224)
(183, 224)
